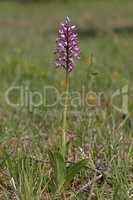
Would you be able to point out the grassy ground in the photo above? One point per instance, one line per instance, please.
(100, 133)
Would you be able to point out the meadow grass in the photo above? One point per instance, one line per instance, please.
(100, 134)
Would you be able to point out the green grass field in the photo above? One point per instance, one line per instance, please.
(99, 133)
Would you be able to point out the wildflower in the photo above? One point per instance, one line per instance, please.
(67, 46)
(89, 60)
(63, 83)
(115, 75)
(90, 98)
(66, 50)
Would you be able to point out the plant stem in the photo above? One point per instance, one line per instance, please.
(65, 115)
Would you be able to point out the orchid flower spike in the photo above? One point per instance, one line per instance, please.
(67, 47)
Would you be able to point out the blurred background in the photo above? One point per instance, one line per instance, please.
(28, 30)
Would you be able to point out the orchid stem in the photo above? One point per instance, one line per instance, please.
(65, 115)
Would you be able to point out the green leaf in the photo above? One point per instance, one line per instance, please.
(73, 170)
(59, 169)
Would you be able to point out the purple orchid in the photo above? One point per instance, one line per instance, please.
(67, 46)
